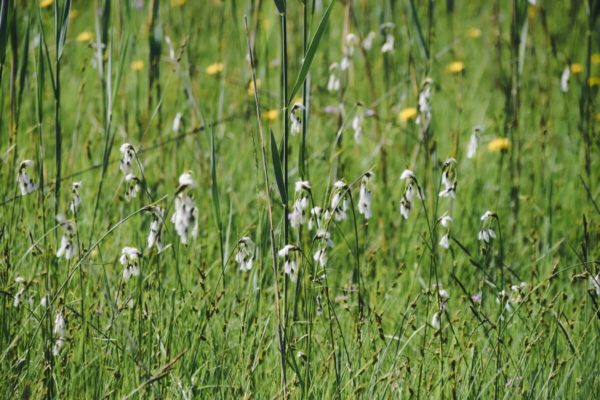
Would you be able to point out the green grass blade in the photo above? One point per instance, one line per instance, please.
(3, 30)
(310, 53)
(277, 169)
(280, 4)
(415, 19)
(62, 29)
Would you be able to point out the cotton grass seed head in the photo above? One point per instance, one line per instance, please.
(245, 253)
(26, 184)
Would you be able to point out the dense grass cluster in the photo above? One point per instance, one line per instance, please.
(301, 198)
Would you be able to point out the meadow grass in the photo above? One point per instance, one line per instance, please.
(454, 108)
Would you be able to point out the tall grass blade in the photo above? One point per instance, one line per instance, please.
(277, 169)
(310, 53)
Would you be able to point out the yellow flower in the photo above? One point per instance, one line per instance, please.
(594, 81)
(46, 3)
(596, 58)
(576, 68)
(271, 115)
(85, 36)
(137, 65)
(251, 87)
(177, 3)
(214, 69)
(474, 33)
(455, 67)
(499, 144)
(73, 13)
(407, 114)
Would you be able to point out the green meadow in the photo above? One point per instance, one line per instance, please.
(262, 199)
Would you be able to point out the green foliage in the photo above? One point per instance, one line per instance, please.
(390, 313)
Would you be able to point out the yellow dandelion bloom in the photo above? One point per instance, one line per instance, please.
(85, 36)
(596, 58)
(594, 81)
(455, 67)
(137, 65)
(474, 33)
(271, 115)
(407, 114)
(499, 144)
(177, 3)
(215, 68)
(251, 87)
(46, 3)
(576, 68)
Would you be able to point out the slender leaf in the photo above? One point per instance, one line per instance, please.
(280, 4)
(415, 18)
(277, 169)
(62, 29)
(213, 176)
(310, 53)
(522, 46)
(4, 8)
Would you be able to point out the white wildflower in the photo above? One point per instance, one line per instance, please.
(388, 45)
(320, 256)
(75, 197)
(367, 42)
(185, 217)
(315, 221)
(449, 179)
(285, 250)
(17, 299)
(445, 220)
(406, 203)
(290, 266)
(445, 241)
(26, 184)
(564, 79)
(155, 235)
(67, 248)
(245, 253)
(298, 215)
(171, 49)
(424, 118)
(319, 305)
(295, 118)
(130, 259)
(333, 84)
(128, 154)
(595, 282)
(133, 187)
(364, 197)
(177, 122)
(435, 321)
(351, 40)
(339, 204)
(473, 143)
(60, 332)
(60, 325)
(302, 185)
(357, 122)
